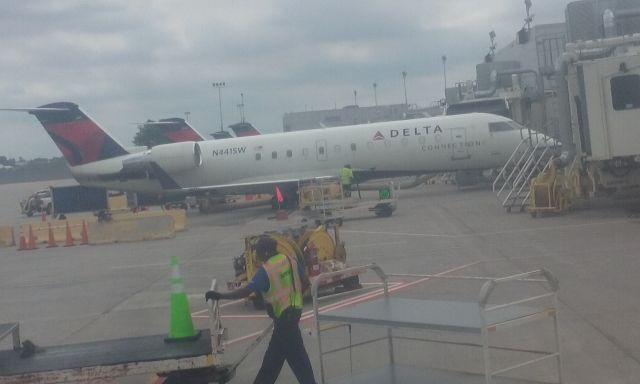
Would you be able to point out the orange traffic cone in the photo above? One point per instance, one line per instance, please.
(69, 241)
(84, 236)
(32, 239)
(23, 243)
(52, 241)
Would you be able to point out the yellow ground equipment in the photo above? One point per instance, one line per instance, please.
(318, 248)
(326, 197)
(552, 190)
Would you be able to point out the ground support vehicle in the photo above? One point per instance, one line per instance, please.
(552, 191)
(195, 361)
(325, 197)
(450, 323)
(37, 203)
(316, 248)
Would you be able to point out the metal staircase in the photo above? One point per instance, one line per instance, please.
(531, 157)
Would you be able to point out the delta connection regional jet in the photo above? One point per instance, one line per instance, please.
(463, 143)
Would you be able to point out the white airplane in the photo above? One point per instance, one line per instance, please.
(467, 143)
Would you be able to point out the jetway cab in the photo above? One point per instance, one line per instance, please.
(604, 98)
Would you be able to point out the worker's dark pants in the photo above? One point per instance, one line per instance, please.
(286, 344)
(346, 190)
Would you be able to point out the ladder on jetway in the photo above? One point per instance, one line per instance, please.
(531, 157)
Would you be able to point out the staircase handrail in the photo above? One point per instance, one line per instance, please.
(517, 168)
(504, 168)
(530, 167)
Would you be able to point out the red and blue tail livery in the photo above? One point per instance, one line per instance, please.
(244, 129)
(172, 130)
(79, 138)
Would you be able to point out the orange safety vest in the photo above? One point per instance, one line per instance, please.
(285, 287)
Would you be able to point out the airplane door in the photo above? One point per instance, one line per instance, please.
(458, 140)
(321, 150)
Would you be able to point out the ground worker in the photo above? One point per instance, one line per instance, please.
(346, 178)
(281, 281)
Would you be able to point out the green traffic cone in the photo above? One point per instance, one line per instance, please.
(181, 327)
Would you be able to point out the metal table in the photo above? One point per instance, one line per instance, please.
(426, 314)
(475, 318)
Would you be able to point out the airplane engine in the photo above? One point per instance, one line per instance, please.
(177, 157)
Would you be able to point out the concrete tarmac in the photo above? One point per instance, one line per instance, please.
(86, 293)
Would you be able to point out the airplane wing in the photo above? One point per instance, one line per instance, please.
(261, 185)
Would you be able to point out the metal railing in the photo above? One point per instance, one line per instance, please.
(540, 277)
(531, 157)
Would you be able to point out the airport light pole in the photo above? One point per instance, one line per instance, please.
(186, 116)
(220, 85)
(404, 82)
(241, 107)
(355, 97)
(444, 72)
(375, 93)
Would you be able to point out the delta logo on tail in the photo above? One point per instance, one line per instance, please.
(79, 139)
(244, 129)
(166, 131)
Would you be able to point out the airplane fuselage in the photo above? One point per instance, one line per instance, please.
(252, 164)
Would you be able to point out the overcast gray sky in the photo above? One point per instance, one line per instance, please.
(125, 61)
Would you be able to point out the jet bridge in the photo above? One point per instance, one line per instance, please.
(598, 87)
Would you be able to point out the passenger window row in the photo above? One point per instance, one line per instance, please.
(305, 152)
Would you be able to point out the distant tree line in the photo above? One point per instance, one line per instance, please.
(39, 169)
(4, 160)
(149, 136)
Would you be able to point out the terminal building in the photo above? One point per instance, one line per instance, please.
(518, 81)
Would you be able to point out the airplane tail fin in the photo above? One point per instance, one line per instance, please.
(79, 138)
(175, 130)
(244, 129)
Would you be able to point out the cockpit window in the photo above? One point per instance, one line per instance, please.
(500, 126)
